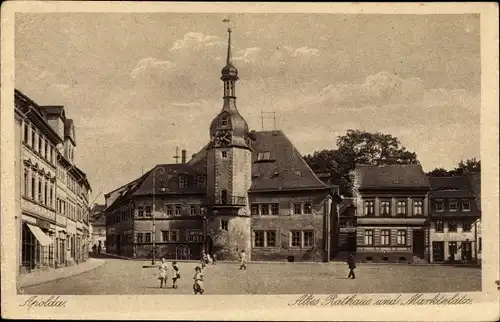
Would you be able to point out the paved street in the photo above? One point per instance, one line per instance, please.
(118, 276)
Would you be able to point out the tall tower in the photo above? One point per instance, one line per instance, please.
(228, 174)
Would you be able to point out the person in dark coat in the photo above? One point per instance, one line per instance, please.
(351, 262)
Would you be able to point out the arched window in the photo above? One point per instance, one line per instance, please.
(223, 196)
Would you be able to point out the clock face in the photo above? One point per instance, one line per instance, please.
(223, 138)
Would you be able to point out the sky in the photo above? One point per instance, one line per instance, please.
(139, 85)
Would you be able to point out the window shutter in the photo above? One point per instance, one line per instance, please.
(291, 209)
(360, 235)
(289, 239)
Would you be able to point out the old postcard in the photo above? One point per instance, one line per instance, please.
(250, 161)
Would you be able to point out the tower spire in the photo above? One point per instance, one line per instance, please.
(229, 60)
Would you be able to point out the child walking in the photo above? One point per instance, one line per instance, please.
(243, 262)
(198, 281)
(163, 272)
(175, 274)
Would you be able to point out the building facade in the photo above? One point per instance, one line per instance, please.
(244, 190)
(40, 223)
(392, 203)
(98, 228)
(454, 217)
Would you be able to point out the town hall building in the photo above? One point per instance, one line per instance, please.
(244, 190)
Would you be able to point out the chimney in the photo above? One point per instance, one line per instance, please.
(183, 156)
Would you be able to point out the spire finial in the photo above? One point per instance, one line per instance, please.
(229, 58)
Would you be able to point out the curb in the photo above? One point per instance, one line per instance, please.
(102, 262)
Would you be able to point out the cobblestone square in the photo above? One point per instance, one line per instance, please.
(123, 277)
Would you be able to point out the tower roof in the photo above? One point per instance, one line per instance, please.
(229, 71)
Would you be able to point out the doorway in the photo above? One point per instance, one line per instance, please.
(437, 251)
(182, 252)
(466, 251)
(419, 243)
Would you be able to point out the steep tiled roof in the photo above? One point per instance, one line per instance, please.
(285, 169)
(168, 182)
(475, 183)
(451, 187)
(392, 176)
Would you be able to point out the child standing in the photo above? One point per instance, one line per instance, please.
(198, 281)
(203, 259)
(243, 258)
(214, 259)
(175, 274)
(163, 272)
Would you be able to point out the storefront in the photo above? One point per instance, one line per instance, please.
(37, 246)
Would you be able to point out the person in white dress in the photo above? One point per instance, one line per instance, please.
(163, 275)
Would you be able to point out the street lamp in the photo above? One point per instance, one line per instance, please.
(162, 172)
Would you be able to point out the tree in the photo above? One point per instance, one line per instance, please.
(468, 166)
(359, 147)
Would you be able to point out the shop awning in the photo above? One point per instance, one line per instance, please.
(40, 235)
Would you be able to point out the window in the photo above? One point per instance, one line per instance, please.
(46, 154)
(148, 237)
(385, 237)
(418, 207)
(275, 209)
(308, 238)
(369, 237)
(297, 208)
(148, 211)
(369, 208)
(258, 239)
(439, 205)
(264, 209)
(307, 208)
(40, 190)
(195, 236)
(51, 153)
(401, 238)
(401, 208)
(302, 238)
(467, 226)
(165, 236)
(224, 154)
(466, 205)
(40, 143)
(452, 248)
(254, 209)
(178, 210)
(169, 210)
(26, 133)
(224, 224)
(45, 194)
(439, 226)
(385, 208)
(140, 237)
(263, 156)
(296, 238)
(224, 121)
(182, 182)
(453, 205)
(193, 210)
(174, 235)
(200, 180)
(33, 138)
(140, 211)
(270, 238)
(26, 182)
(479, 245)
(452, 226)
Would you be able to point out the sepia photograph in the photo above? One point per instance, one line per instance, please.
(249, 153)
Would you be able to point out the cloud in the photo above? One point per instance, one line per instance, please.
(148, 66)
(378, 89)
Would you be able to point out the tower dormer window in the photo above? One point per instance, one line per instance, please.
(264, 156)
(224, 121)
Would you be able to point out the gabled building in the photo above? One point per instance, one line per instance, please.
(454, 216)
(244, 190)
(54, 191)
(391, 212)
